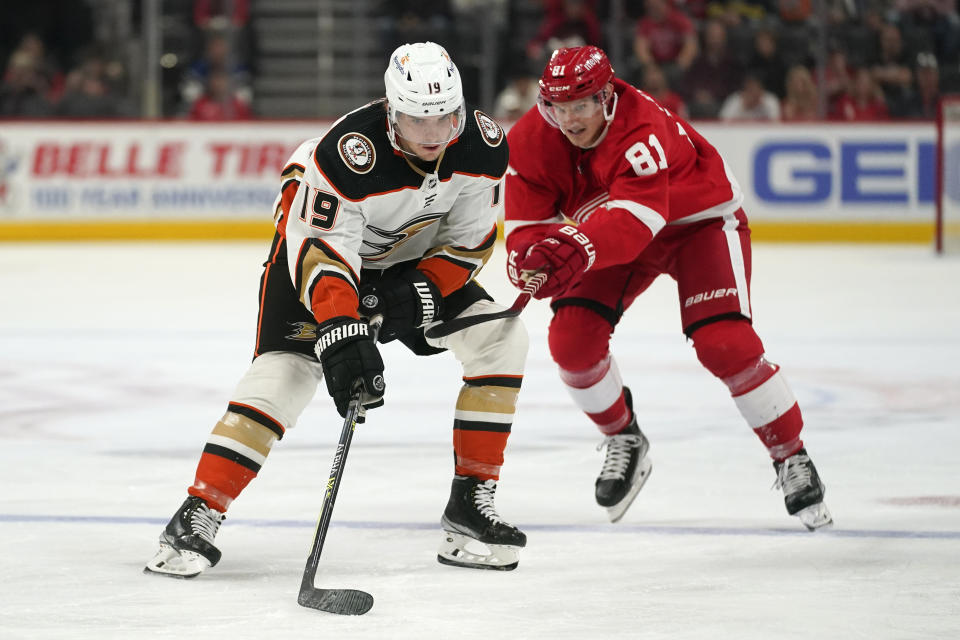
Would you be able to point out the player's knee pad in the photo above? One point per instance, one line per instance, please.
(579, 338)
(494, 348)
(280, 384)
(727, 347)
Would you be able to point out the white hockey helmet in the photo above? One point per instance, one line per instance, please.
(422, 81)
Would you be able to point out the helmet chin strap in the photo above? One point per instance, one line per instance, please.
(608, 118)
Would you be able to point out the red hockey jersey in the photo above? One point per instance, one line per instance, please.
(650, 169)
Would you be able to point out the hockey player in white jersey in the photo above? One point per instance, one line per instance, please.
(393, 212)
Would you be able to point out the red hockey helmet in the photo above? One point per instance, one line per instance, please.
(573, 73)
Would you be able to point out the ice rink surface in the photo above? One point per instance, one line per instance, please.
(116, 360)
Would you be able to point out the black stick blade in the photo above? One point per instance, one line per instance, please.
(347, 602)
(459, 324)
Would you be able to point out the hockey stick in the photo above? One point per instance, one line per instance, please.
(350, 602)
(458, 324)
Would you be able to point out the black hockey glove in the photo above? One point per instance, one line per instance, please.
(406, 302)
(350, 357)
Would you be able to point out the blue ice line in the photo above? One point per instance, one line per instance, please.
(549, 528)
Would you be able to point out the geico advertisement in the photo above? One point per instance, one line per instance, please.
(181, 170)
(137, 170)
(876, 171)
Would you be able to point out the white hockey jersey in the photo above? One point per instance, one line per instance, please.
(350, 201)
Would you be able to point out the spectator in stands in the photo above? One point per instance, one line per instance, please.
(231, 18)
(891, 66)
(924, 99)
(517, 97)
(44, 64)
(863, 101)
(89, 92)
(938, 18)
(220, 15)
(794, 11)
(801, 102)
(63, 28)
(23, 91)
(735, 12)
(714, 75)
(696, 10)
(751, 102)
(665, 36)
(219, 102)
(566, 23)
(654, 82)
(218, 57)
(767, 63)
(416, 21)
(838, 74)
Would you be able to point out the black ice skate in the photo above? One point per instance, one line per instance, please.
(471, 520)
(186, 544)
(802, 490)
(625, 469)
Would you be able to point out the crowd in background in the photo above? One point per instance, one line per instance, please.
(757, 59)
(52, 67)
(56, 68)
(704, 59)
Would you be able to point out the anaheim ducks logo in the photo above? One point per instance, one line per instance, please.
(492, 133)
(305, 331)
(390, 239)
(357, 151)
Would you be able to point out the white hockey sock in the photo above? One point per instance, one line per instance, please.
(598, 391)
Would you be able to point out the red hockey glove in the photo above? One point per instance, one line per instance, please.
(564, 255)
(513, 267)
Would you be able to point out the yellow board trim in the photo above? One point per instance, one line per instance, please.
(868, 232)
(164, 230)
(186, 230)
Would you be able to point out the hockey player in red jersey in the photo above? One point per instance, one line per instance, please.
(607, 190)
(392, 212)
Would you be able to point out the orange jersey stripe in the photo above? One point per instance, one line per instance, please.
(263, 289)
(287, 194)
(447, 276)
(332, 297)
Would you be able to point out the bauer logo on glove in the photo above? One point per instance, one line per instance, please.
(565, 254)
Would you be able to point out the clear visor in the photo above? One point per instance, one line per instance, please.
(560, 113)
(429, 130)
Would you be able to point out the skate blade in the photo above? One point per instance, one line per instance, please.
(458, 550)
(640, 476)
(816, 516)
(176, 564)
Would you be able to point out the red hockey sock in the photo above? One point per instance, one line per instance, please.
(732, 351)
(598, 391)
(769, 407)
(235, 451)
